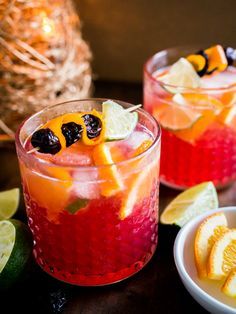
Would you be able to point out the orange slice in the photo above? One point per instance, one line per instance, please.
(110, 180)
(139, 188)
(56, 124)
(174, 117)
(216, 58)
(228, 117)
(223, 256)
(198, 61)
(207, 233)
(229, 98)
(207, 107)
(47, 192)
(143, 147)
(229, 287)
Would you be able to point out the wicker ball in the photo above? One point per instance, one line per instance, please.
(43, 58)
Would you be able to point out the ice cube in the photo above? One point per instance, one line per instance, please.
(85, 184)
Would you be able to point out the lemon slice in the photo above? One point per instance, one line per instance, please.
(140, 188)
(181, 74)
(110, 180)
(207, 234)
(223, 256)
(119, 123)
(190, 203)
(9, 202)
(229, 287)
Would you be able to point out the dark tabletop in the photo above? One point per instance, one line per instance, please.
(155, 289)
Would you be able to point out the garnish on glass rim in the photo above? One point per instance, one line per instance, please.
(131, 109)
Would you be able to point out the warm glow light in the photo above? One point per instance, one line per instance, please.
(47, 26)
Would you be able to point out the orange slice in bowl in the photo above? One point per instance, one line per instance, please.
(110, 180)
(208, 232)
(222, 258)
(229, 287)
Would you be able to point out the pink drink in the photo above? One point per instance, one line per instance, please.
(207, 150)
(96, 244)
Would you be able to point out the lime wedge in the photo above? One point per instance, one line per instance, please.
(7, 240)
(190, 203)
(119, 122)
(15, 251)
(9, 202)
(181, 74)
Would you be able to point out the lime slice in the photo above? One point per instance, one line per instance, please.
(190, 203)
(119, 122)
(15, 251)
(9, 202)
(181, 74)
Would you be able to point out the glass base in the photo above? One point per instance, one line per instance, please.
(93, 281)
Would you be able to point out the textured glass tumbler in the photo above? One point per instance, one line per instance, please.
(204, 151)
(94, 246)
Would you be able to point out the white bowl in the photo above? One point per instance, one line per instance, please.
(205, 292)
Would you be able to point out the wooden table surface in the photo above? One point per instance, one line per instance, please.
(156, 289)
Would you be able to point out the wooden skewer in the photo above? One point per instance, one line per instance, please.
(133, 108)
(33, 150)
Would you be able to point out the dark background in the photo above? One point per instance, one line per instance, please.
(124, 33)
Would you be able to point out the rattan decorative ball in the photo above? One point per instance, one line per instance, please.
(43, 58)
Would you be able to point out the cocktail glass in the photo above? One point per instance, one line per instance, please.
(110, 237)
(206, 150)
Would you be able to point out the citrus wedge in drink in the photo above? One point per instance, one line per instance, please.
(181, 74)
(15, 251)
(9, 202)
(207, 107)
(119, 122)
(229, 287)
(207, 234)
(110, 181)
(139, 189)
(173, 115)
(228, 117)
(222, 258)
(190, 203)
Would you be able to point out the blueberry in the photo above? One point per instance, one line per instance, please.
(93, 125)
(230, 55)
(46, 140)
(72, 132)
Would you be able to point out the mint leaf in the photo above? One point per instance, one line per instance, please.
(77, 205)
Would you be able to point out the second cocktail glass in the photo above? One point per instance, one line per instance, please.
(198, 124)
